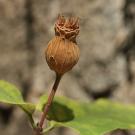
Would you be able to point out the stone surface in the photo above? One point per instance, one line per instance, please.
(107, 63)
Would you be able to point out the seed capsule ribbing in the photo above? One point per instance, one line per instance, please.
(62, 52)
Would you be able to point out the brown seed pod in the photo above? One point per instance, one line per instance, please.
(62, 52)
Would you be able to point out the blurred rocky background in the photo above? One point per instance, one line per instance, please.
(107, 63)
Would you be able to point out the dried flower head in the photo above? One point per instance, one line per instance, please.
(62, 52)
(67, 28)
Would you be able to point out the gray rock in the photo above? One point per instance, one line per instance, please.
(106, 41)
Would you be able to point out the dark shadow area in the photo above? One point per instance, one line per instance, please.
(60, 113)
(128, 12)
(30, 35)
(5, 113)
(119, 132)
(128, 50)
(29, 18)
(103, 94)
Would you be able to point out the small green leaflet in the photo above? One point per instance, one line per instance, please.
(94, 118)
(11, 95)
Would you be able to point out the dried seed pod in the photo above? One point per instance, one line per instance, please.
(62, 52)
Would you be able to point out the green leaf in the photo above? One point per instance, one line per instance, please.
(11, 95)
(94, 118)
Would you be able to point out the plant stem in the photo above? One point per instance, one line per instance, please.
(48, 104)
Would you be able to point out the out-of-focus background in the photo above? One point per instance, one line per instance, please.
(107, 63)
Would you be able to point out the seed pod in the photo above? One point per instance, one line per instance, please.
(62, 52)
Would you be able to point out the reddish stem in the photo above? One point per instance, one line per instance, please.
(48, 104)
